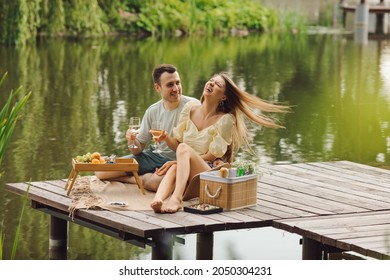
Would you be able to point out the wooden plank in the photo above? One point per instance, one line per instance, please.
(343, 180)
(53, 188)
(242, 217)
(321, 203)
(48, 198)
(347, 238)
(359, 229)
(108, 218)
(324, 194)
(367, 240)
(311, 228)
(242, 221)
(369, 181)
(287, 200)
(363, 215)
(373, 174)
(46, 193)
(189, 222)
(257, 214)
(376, 9)
(339, 189)
(377, 248)
(335, 221)
(123, 223)
(273, 212)
(286, 209)
(363, 168)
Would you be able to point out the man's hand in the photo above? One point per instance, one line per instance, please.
(131, 135)
(164, 169)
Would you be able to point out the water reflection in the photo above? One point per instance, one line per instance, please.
(85, 91)
(384, 65)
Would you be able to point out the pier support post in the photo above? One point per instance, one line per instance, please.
(58, 239)
(311, 249)
(204, 245)
(361, 23)
(339, 16)
(381, 25)
(164, 247)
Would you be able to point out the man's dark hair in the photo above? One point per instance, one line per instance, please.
(159, 70)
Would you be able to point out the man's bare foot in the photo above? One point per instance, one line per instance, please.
(173, 205)
(157, 206)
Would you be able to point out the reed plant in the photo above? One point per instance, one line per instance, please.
(17, 233)
(9, 115)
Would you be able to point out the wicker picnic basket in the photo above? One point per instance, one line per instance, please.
(228, 193)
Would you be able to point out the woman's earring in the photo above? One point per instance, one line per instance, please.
(221, 103)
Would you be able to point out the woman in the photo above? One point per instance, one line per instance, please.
(204, 133)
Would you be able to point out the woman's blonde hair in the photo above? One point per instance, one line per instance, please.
(243, 106)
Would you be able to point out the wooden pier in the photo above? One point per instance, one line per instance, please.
(380, 11)
(335, 206)
(374, 9)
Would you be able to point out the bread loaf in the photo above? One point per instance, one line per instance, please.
(224, 172)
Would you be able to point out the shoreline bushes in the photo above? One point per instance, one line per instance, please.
(23, 21)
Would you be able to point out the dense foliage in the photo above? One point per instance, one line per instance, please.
(23, 20)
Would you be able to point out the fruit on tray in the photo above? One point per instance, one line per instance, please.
(94, 158)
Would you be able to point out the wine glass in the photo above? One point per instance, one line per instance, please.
(134, 125)
(157, 130)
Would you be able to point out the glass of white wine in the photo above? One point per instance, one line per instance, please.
(157, 130)
(134, 125)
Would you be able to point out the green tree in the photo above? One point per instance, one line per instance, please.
(22, 21)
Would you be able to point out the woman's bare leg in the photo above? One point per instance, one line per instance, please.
(164, 190)
(189, 163)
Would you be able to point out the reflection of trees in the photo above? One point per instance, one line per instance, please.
(339, 113)
(84, 93)
(361, 110)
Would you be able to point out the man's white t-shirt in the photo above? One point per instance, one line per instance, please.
(169, 119)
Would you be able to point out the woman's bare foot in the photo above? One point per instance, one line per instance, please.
(173, 205)
(157, 206)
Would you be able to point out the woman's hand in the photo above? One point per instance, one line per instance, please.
(164, 169)
(218, 162)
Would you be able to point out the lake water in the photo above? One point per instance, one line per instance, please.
(84, 93)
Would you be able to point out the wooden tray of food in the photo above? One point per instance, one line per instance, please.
(121, 164)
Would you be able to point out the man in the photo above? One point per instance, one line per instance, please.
(167, 83)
